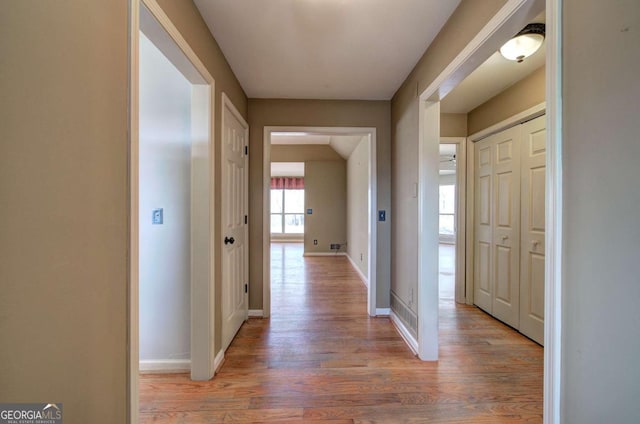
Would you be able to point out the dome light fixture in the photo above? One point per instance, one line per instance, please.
(524, 44)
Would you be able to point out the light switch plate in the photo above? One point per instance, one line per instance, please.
(157, 217)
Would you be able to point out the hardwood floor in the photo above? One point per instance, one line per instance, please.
(321, 359)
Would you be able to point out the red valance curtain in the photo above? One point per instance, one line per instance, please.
(288, 183)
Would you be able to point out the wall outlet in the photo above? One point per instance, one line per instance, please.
(315, 242)
(157, 217)
(382, 215)
(361, 257)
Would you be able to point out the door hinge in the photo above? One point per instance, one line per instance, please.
(246, 150)
(246, 288)
(246, 219)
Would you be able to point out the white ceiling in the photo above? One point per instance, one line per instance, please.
(287, 138)
(344, 145)
(287, 169)
(324, 49)
(491, 78)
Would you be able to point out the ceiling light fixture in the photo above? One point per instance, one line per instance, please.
(524, 44)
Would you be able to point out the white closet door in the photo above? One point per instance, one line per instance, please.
(506, 227)
(532, 229)
(483, 290)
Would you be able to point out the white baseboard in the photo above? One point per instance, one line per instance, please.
(404, 332)
(383, 312)
(256, 313)
(217, 361)
(160, 366)
(324, 254)
(364, 279)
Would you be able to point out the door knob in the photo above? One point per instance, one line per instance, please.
(535, 243)
(229, 240)
(504, 238)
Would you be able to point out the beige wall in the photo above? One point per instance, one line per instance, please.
(600, 152)
(186, 17)
(524, 94)
(465, 22)
(325, 191)
(453, 125)
(293, 153)
(341, 113)
(358, 206)
(63, 185)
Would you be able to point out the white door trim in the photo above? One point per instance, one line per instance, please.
(460, 215)
(553, 217)
(504, 24)
(372, 215)
(512, 121)
(202, 313)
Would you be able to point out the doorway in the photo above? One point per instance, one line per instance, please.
(171, 290)
(513, 15)
(330, 237)
(452, 222)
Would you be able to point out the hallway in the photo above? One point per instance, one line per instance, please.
(320, 358)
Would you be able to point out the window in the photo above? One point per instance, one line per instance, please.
(287, 206)
(447, 209)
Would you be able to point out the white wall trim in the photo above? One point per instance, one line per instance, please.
(256, 313)
(404, 333)
(371, 132)
(360, 273)
(218, 361)
(553, 239)
(324, 254)
(164, 366)
(383, 312)
(512, 121)
(428, 231)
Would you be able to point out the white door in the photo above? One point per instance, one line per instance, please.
(496, 232)
(506, 227)
(533, 228)
(234, 222)
(483, 228)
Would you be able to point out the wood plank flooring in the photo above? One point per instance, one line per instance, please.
(321, 359)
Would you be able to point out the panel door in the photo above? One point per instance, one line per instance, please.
(506, 227)
(234, 230)
(533, 229)
(483, 229)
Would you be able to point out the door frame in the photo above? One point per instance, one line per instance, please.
(227, 104)
(460, 215)
(372, 206)
(203, 360)
(509, 19)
